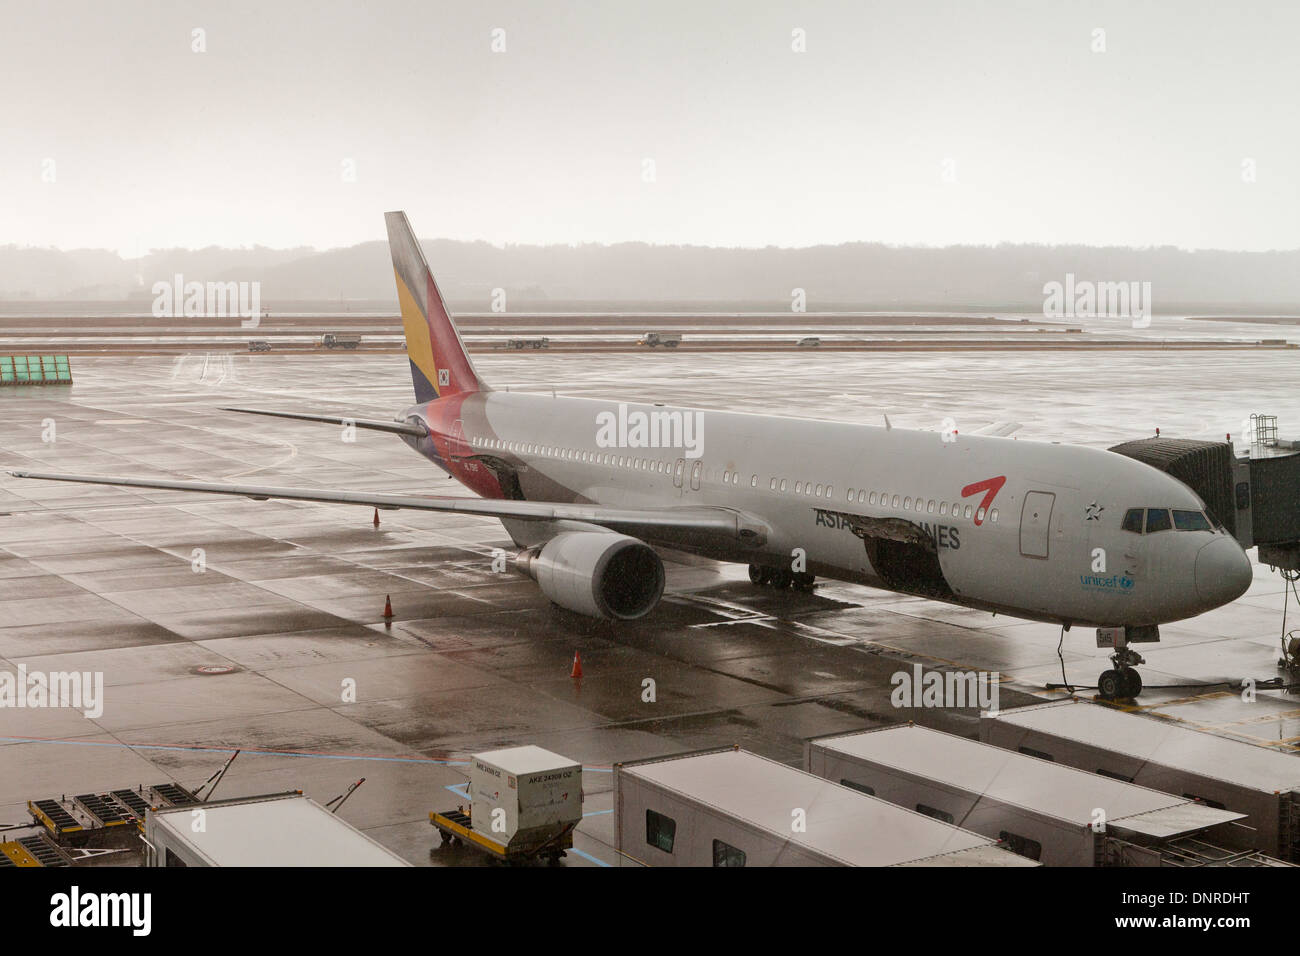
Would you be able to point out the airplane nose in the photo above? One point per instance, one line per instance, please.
(1223, 572)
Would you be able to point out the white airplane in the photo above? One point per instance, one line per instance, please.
(584, 487)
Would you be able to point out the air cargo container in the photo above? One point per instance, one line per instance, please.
(525, 802)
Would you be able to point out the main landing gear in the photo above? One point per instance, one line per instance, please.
(781, 577)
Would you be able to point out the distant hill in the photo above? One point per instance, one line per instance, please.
(865, 276)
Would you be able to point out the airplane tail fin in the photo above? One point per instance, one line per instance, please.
(440, 366)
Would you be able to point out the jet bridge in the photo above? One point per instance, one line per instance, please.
(1254, 492)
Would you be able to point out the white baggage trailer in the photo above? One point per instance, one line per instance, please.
(277, 830)
(1058, 815)
(732, 808)
(1219, 772)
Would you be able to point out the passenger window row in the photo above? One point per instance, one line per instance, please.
(927, 505)
(779, 485)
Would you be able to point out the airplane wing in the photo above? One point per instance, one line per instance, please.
(695, 519)
(400, 428)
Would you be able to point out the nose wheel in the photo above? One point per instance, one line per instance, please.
(1122, 680)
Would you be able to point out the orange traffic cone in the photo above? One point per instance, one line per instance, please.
(376, 517)
(388, 606)
(577, 665)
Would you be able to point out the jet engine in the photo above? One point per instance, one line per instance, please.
(597, 573)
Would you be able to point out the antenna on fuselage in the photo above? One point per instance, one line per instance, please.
(887, 425)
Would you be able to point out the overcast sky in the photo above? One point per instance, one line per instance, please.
(155, 145)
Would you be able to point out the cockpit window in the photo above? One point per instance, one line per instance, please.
(1133, 520)
(1158, 520)
(1191, 521)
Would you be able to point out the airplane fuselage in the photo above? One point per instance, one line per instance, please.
(1032, 529)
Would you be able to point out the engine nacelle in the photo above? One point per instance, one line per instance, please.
(597, 573)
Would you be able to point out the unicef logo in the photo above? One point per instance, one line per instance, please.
(1126, 582)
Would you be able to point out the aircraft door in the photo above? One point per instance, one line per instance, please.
(678, 469)
(1035, 523)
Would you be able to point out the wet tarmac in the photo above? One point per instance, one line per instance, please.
(248, 644)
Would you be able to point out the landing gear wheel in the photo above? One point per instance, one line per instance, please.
(1110, 685)
(804, 581)
(781, 578)
(759, 575)
(1132, 682)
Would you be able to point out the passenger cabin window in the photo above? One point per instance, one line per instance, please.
(1133, 520)
(660, 831)
(1158, 520)
(724, 854)
(1191, 521)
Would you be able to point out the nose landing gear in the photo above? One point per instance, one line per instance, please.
(1122, 680)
